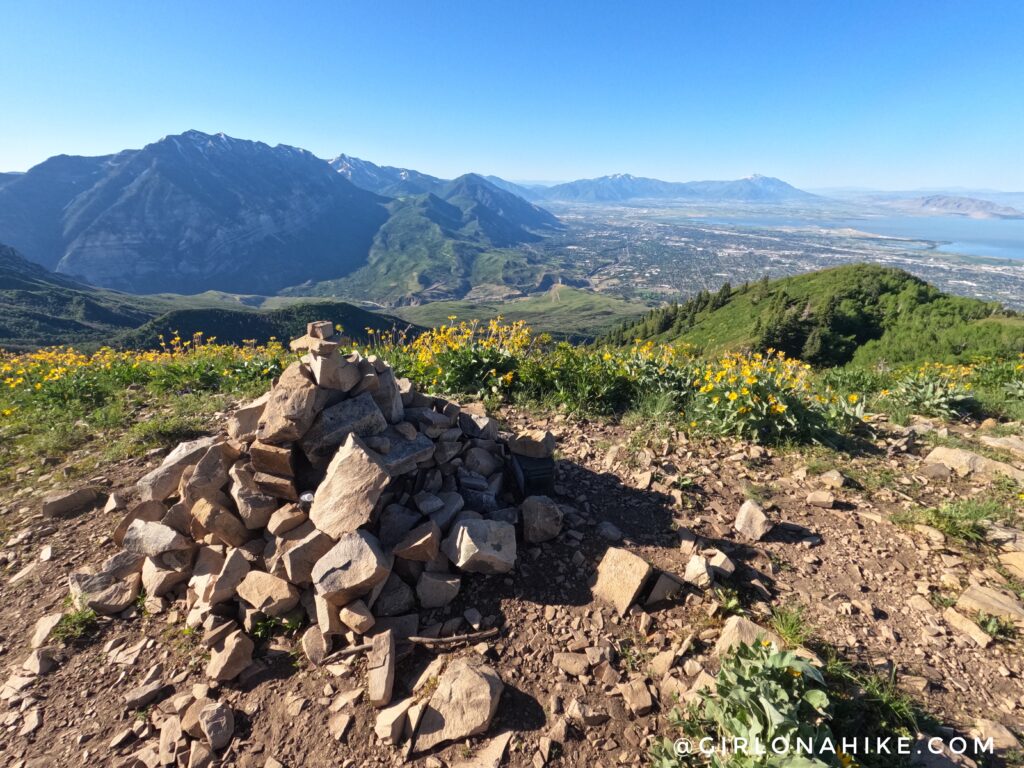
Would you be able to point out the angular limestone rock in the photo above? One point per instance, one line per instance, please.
(738, 629)
(967, 463)
(533, 443)
(461, 706)
(152, 539)
(217, 722)
(164, 480)
(346, 498)
(388, 397)
(291, 408)
(435, 590)
(333, 371)
(960, 622)
(823, 499)
(481, 546)
(223, 524)
(268, 593)
(65, 503)
(395, 599)
(421, 543)
(698, 572)
(272, 459)
(357, 617)
(358, 416)
(245, 420)
(102, 592)
(315, 645)
(300, 558)
(977, 599)
(254, 506)
(350, 569)
(751, 521)
(380, 669)
(620, 577)
(230, 657)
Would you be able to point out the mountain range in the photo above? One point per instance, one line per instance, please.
(196, 212)
(623, 187)
(955, 205)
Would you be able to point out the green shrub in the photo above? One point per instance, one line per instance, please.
(761, 695)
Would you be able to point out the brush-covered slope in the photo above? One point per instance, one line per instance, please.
(235, 326)
(860, 313)
(38, 307)
(565, 312)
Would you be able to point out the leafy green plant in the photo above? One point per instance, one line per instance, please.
(933, 390)
(729, 601)
(761, 695)
(268, 626)
(75, 626)
(996, 627)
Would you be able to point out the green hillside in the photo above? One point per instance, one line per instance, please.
(564, 312)
(234, 326)
(38, 307)
(864, 314)
(433, 248)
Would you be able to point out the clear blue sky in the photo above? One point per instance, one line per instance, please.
(894, 94)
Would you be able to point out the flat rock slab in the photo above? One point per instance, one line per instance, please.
(461, 706)
(977, 599)
(65, 503)
(967, 463)
(351, 568)
(163, 481)
(620, 577)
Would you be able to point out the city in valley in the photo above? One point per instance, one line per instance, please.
(665, 252)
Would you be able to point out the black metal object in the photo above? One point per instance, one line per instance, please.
(534, 476)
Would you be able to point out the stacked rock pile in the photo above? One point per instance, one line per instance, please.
(343, 496)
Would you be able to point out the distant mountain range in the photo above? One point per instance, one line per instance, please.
(196, 212)
(945, 205)
(623, 187)
(617, 188)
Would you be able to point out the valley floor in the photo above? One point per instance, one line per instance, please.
(847, 582)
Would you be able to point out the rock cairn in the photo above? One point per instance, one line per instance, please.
(343, 497)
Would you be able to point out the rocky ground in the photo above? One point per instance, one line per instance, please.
(589, 670)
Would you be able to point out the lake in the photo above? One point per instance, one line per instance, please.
(996, 238)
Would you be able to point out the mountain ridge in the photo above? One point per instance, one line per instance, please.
(193, 212)
(622, 187)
